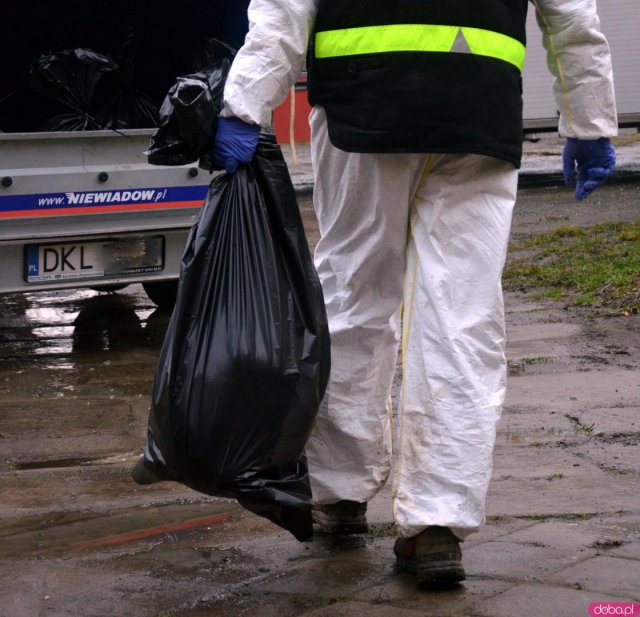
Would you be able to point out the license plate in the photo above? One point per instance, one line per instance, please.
(94, 259)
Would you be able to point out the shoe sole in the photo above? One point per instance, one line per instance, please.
(347, 526)
(431, 574)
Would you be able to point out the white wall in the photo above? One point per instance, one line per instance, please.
(620, 22)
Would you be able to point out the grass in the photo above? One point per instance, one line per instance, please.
(578, 426)
(596, 266)
(580, 516)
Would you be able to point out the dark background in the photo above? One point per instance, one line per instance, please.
(165, 36)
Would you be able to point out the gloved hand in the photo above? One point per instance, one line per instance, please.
(235, 142)
(594, 160)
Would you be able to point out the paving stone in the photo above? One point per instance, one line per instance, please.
(612, 420)
(630, 551)
(611, 575)
(349, 609)
(570, 536)
(85, 589)
(48, 492)
(617, 455)
(565, 391)
(519, 304)
(352, 565)
(627, 520)
(534, 426)
(533, 332)
(544, 601)
(242, 604)
(41, 433)
(401, 591)
(497, 528)
(531, 481)
(511, 561)
(541, 463)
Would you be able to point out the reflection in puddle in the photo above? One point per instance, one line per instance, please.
(50, 350)
(106, 323)
(67, 341)
(62, 364)
(68, 296)
(70, 322)
(47, 316)
(52, 332)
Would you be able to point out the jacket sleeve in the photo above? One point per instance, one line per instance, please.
(270, 60)
(578, 56)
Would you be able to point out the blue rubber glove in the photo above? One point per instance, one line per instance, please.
(235, 142)
(594, 160)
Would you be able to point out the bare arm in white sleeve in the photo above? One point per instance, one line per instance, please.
(578, 56)
(270, 60)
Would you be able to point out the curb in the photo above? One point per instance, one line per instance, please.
(530, 179)
(527, 179)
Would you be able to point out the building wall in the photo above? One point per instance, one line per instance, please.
(620, 22)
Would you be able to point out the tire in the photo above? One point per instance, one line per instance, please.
(162, 293)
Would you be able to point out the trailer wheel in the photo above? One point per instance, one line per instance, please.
(162, 293)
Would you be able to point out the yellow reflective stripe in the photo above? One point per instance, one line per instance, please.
(416, 37)
(495, 45)
(378, 39)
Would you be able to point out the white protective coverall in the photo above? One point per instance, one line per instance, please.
(422, 238)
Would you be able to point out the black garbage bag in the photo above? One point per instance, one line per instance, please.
(69, 78)
(128, 108)
(121, 104)
(87, 91)
(246, 358)
(189, 113)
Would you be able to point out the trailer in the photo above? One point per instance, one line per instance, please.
(81, 83)
(619, 21)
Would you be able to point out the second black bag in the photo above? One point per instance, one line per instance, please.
(189, 113)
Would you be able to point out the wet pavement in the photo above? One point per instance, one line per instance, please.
(79, 538)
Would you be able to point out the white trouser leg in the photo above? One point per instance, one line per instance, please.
(362, 205)
(453, 342)
(449, 237)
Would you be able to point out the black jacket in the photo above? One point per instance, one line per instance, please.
(403, 100)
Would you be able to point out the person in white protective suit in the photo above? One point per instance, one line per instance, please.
(416, 142)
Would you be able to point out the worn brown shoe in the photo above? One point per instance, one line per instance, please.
(341, 518)
(434, 556)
